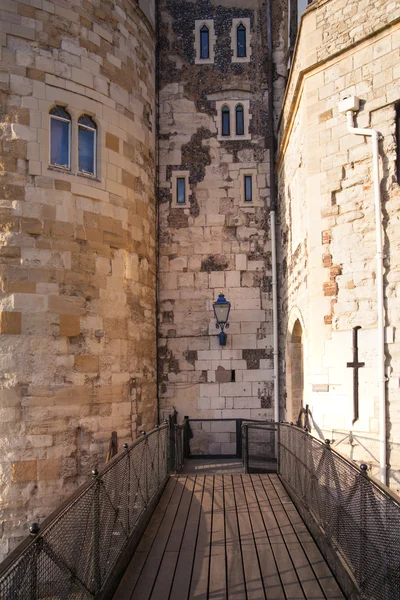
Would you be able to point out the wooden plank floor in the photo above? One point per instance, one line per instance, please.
(227, 537)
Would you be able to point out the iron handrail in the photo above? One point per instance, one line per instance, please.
(354, 517)
(103, 514)
(353, 464)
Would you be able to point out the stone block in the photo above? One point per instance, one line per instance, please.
(69, 325)
(241, 262)
(223, 437)
(86, 364)
(330, 288)
(235, 389)
(223, 375)
(228, 448)
(24, 471)
(10, 323)
(23, 287)
(49, 470)
(67, 305)
(40, 441)
(214, 448)
(223, 426)
(245, 341)
(112, 142)
(232, 279)
(209, 390)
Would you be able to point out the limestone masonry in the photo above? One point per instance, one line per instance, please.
(146, 148)
(78, 254)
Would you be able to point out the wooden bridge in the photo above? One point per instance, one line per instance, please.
(235, 537)
(286, 518)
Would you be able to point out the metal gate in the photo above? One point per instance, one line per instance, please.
(260, 447)
(214, 438)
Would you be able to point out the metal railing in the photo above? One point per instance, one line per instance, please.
(349, 512)
(76, 552)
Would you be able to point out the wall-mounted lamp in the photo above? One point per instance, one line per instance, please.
(221, 311)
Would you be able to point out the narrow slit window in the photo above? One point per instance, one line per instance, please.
(60, 138)
(181, 190)
(248, 188)
(87, 134)
(241, 41)
(398, 142)
(239, 120)
(226, 120)
(204, 42)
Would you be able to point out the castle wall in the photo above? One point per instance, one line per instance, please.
(328, 260)
(77, 253)
(217, 241)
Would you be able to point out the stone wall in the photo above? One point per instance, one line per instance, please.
(216, 242)
(77, 254)
(328, 263)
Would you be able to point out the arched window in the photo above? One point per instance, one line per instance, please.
(87, 133)
(226, 120)
(241, 41)
(204, 42)
(239, 120)
(60, 138)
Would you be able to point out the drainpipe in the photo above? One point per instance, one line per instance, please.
(273, 212)
(350, 106)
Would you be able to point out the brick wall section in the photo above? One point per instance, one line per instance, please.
(77, 256)
(330, 278)
(217, 242)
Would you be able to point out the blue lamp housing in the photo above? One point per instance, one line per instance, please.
(222, 308)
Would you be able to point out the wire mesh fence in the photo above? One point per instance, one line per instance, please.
(75, 551)
(359, 516)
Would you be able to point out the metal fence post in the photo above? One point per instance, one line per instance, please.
(245, 455)
(278, 448)
(34, 531)
(129, 487)
(96, 532)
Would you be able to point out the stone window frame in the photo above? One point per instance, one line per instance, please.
(209, 23)
(175, 175)
(73, 168)
(256, 201)
(232, 104)
(235, 24)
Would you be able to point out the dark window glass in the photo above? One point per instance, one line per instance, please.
(248, 188)
(87, 145)
(226, 118)
(204, 42)
(180, 190)
(60, 137)
(239, 120)
(241, 41)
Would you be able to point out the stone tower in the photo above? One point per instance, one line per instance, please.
(216, 128)
(77, 244)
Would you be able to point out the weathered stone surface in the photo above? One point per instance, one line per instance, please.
(326, 207)
(212, 242)
(77, 253)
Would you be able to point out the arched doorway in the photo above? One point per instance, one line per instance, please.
(295, 372)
